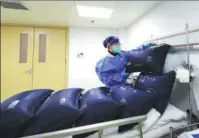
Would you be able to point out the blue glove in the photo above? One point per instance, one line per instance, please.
(150, 45)
(146, 46)
(124, 74)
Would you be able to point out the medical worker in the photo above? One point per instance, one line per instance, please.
(111, 69)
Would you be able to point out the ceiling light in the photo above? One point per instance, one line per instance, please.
(94, 12)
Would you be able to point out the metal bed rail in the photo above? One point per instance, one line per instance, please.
(183, 47)
(173, 131)
(173, 35)
(95, 127)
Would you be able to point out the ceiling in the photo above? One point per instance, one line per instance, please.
(64, 13)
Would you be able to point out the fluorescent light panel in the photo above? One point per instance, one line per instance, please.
(94, 12)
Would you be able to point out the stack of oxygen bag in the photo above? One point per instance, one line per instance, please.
(40, 111)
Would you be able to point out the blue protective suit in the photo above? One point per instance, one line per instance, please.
(110, 69)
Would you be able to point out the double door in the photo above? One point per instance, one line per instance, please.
(32, 58)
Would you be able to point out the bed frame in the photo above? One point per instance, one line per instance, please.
(95, 127)
(175, 132)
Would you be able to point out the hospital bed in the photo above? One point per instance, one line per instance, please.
(89, 128)
(153, 126)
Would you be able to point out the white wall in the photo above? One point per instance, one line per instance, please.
(90, 42)
(168, 18)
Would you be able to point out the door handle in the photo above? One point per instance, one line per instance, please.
(29, 71)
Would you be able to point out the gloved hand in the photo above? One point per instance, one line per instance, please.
(124, 74)
(146, 46)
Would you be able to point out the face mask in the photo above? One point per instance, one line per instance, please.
(116, 49)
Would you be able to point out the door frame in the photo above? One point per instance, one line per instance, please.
(34, 25)
(48, 26)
